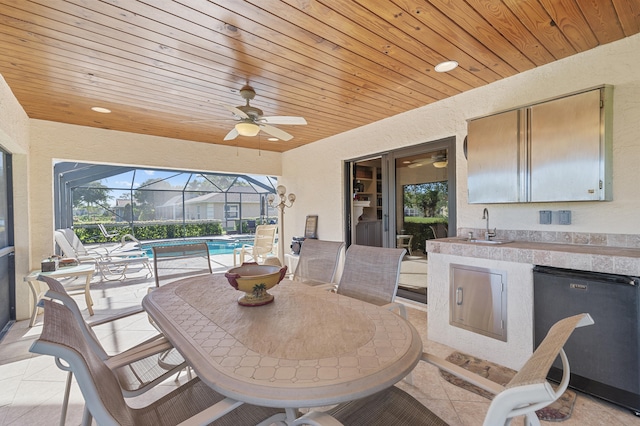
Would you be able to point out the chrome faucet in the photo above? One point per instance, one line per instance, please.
(488, 234)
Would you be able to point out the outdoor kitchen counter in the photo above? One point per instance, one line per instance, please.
(615, 260)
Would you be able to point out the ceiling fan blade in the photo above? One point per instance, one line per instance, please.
(413, 165)
(238, 112)
(231, 135)
(208, 120)
(274, 131)
(284, 119)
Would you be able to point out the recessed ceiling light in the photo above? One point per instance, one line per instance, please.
(101, 110)
(273, 139)
(446, 66)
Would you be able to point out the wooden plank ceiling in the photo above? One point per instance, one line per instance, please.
(166, 67)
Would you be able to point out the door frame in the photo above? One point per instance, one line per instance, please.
(8, 251)
(388, 186)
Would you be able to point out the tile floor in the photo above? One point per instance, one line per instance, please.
(31, 387)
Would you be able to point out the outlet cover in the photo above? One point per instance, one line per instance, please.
(545, 217)
(564, 217)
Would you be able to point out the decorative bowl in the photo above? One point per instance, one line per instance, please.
(254, 280)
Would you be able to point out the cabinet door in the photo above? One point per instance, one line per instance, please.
(478, 300)
(566, 150)
(362, 234)
(369, 233)
(493, 154)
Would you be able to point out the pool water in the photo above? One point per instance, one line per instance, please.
(215, 247)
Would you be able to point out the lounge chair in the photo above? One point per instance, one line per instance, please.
(112, 250)
(112, 265)
(106, 234)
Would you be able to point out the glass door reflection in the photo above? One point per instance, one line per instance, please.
(421, 213)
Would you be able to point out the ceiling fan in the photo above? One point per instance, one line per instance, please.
(251, 121)
(439, 161)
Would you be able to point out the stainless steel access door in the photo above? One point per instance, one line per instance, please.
(478, 300)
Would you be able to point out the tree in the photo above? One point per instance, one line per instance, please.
(151, 193)
(93, 194)
(427, 197)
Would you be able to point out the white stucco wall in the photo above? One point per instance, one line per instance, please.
(315, 172)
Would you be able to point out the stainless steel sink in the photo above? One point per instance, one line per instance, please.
(494, 241)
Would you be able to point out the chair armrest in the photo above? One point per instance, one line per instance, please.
(460, 372)
(150, 347)
(393, 306)
(327, 286)
(125, 314)
(212, 413)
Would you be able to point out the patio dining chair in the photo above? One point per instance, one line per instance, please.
(371, 274)
(264, 244)
(318, 261)
(138, 368)
(527, 391)
(193, 402)
(176, 261)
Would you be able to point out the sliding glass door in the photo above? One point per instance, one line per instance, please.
(7, 259)
(401, 199)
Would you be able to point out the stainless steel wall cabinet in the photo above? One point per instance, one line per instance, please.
(557, 150)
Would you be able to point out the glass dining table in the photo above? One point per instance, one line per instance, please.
(308, 348)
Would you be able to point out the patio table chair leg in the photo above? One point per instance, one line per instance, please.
(65, 399)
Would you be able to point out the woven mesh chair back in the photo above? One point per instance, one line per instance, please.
(371, 273)
(61, 337)
(318, 261)
(172, 262)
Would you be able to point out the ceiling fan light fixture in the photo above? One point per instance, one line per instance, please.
(440, 164)
(446, 66)
(247, 129)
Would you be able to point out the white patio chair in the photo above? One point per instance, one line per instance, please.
(194, 402)
(318, 261)
(138, 368)
(404, 241)
(527, 392)
(264, 244)
(106, 234)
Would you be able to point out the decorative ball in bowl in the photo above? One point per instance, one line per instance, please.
(254, 280)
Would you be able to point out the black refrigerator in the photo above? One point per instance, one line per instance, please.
(604, 358)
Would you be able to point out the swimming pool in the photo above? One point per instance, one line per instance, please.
(215, 246)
